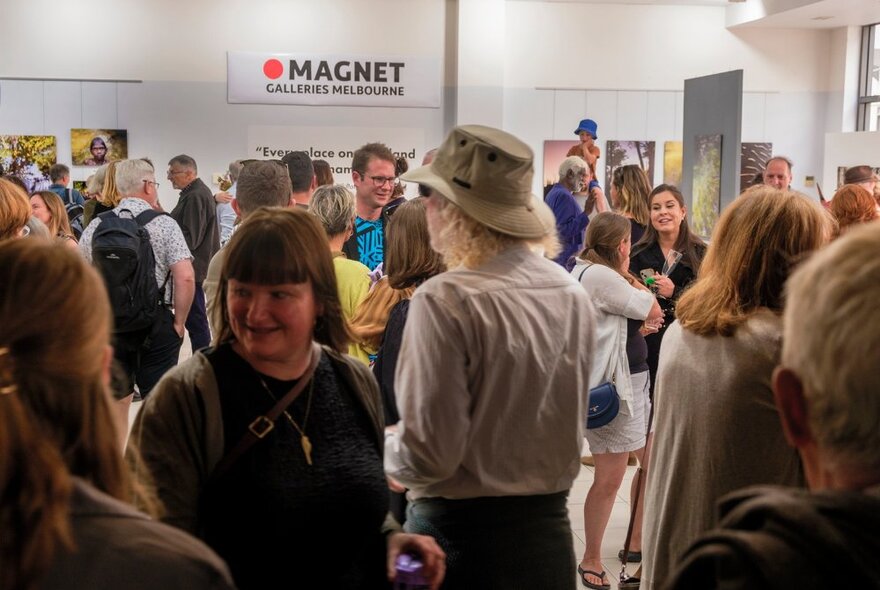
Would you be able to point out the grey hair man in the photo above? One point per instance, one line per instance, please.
(826, 394)
(777, 173)
(496, 353)
(59, 174)
(571, 219)
(259, 184)
(302, 177)
(196, 213)
(146, 355)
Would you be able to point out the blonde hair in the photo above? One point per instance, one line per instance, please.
(15, 209)
(56, 419)
(831, 341)
(333, 205)
(759, 238)
(465, 241)
(633, 190)
(110, 195)
(58, 224)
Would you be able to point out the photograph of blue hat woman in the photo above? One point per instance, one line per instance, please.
(587, 149)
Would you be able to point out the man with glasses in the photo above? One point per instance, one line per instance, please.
(195, 212)
(145, 355)
(373, 173)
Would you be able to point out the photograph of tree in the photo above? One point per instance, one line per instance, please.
(707, 184)
(624, 153)
(96, 147)
(672, 163)
(554, 154)
(28, 157)
(753, 160)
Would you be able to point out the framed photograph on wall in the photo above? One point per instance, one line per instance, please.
(554, 154)
(625, 153)
(706, 191)
(96, 147)
(29, 157)
(672, 163)
(753, 161)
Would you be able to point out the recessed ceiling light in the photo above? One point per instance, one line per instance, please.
(822, 18)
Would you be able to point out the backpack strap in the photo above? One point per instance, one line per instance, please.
(142, 220)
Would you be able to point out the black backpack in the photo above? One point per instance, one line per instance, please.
(74, 215)
(122, 252)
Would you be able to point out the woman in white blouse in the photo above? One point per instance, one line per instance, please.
(626, 311)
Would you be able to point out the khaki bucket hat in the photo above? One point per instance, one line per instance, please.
(488, 173)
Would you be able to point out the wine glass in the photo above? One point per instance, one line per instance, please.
(670, 263)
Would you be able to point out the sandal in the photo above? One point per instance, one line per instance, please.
(602, 576)
(632, 556)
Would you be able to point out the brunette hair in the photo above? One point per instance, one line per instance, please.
(274, 246)
(409, 258)
(759, 239)
(15, 209)
(853, 204)
(58, 224)
(688, 243)
(633, 188)
(56, 418)
(323, 174)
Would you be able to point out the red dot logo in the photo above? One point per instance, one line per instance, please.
(273, 69)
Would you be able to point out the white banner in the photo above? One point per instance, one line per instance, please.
(336, 145)
(348, 80)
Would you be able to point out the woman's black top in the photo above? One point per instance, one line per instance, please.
(272, 516)
(682, 276)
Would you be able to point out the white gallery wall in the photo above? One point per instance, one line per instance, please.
(625, 66)
(534, 67)
(177, 52)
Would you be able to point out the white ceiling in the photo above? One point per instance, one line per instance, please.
(792, 14)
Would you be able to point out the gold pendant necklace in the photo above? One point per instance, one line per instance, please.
(304, 441)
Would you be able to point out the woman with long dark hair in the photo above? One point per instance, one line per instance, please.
(667, 234)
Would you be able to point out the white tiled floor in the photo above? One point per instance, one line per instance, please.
(615, 534)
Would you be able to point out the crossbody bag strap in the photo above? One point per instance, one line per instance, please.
(263, 425)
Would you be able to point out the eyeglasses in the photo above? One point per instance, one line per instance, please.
(381, 180)
(154, 183)
(173, 172)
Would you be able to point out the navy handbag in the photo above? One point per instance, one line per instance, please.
(602, 405)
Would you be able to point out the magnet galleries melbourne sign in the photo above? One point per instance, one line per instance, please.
(378, 81)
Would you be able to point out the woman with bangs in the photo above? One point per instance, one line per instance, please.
(264, 480)
(717, 428)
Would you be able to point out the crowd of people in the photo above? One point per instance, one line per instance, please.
(374, 376)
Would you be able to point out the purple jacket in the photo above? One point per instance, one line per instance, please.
(571, 221)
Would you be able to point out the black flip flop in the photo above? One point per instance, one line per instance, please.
(601, 576)
(632, 557)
